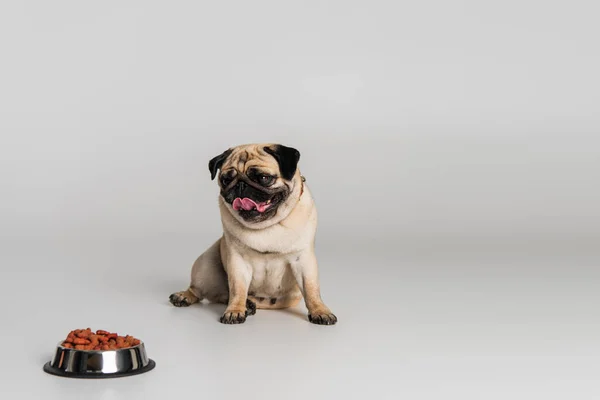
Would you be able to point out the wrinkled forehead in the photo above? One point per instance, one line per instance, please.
(245, 158)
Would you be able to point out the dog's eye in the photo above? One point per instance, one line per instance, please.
(266, 180)
(226, 180)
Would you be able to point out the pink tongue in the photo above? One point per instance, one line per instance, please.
(249, 204)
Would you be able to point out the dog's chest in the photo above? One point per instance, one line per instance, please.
(271, 275)
(275, 239)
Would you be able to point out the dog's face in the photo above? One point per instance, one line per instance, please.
(257, 181)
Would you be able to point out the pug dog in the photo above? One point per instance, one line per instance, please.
(265, 258)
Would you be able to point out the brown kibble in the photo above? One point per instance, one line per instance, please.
(86, 339)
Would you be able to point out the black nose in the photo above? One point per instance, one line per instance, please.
(241, 186)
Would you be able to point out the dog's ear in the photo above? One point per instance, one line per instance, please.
(287, 158)
(217, 162)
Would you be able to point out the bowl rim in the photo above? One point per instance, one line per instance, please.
(138, 346)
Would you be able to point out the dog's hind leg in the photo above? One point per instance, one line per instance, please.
(208, 280)
(183, 299)
(250, 307)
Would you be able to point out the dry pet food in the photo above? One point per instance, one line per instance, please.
(86, 339)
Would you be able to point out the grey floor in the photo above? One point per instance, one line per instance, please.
(418, 319)
(452, 149)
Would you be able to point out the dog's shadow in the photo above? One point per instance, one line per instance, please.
(216, 309)
(294, 311)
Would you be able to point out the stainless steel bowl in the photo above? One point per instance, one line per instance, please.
(99, 363)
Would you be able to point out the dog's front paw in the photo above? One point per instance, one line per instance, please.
(183, 299)
(324, 318)
(233, 317)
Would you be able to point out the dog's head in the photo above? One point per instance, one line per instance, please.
(258, 181)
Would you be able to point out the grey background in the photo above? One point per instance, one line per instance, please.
(452, 147)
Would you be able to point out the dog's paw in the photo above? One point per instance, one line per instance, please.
(233, 317)
(250, 307)
(326, 318)
(183, 299)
